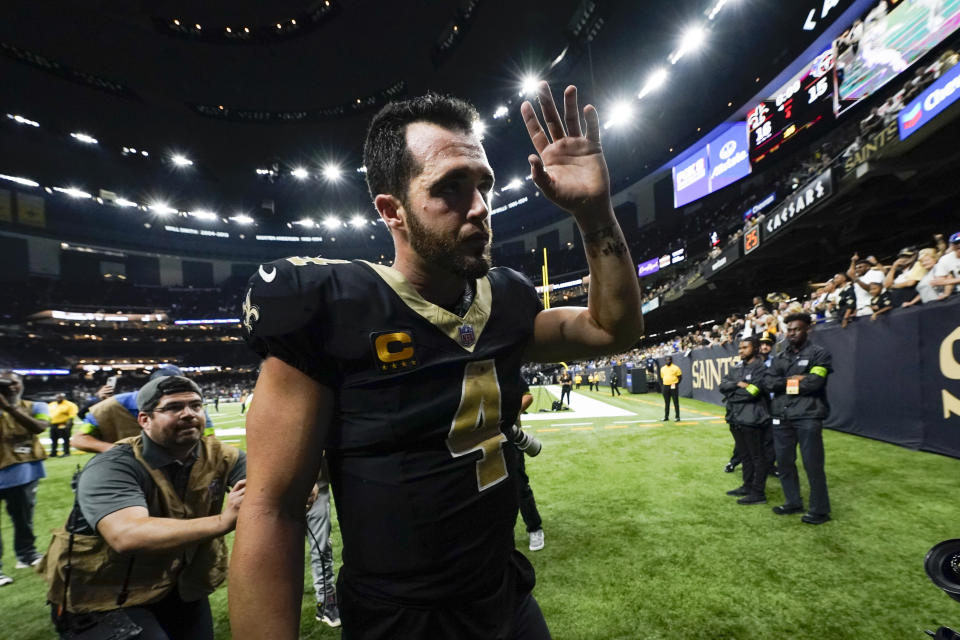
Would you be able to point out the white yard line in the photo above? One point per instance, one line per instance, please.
(581, 406)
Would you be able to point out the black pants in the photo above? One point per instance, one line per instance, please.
(753, 439)
(565, 391)
(614, 387)
(20, 501)
(809, 435)
(667, 394)
(169, 619)
(528, 505)
(511, 613)
(57, 433)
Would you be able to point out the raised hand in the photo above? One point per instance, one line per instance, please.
(570, 170)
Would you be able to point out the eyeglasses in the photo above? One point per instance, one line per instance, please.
(178, 407)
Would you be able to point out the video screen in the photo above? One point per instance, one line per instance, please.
(885, 42)
(798, 105)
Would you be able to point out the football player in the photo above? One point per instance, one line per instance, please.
(409, 377)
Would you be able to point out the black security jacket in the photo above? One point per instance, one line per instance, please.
(746, 406)
(811, 361)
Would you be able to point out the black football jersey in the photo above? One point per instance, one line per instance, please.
(423, 397)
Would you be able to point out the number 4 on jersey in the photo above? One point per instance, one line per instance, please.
(476, 426)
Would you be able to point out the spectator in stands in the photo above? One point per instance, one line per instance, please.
(147, 530)
(798, 378)
(21, 466)
(880, 300)
(116, 418)
(902, 277)
(62, 414)
(844, 299)
(862, 273)
(670, 375)
(946, 273)
(927, 292)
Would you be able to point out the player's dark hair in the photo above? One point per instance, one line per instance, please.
(798, 317)
(753, 342)
(390, 165)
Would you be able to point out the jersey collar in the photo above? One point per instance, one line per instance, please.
(447, 322)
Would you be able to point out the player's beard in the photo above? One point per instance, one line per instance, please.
(444, 253)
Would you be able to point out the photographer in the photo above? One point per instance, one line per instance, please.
(525, 443)
(115, 418)
(21, 465)
(144, 544)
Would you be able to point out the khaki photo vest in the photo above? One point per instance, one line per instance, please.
(17, 444)
(99, 572)
(114, 421)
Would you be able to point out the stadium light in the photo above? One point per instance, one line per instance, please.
(203, 214)
(181, 160)
(479, 127)
(21, 120)
(357, 221)
(654, 81)
(73, 192)
(306, 222)
(24, 181)
(332, 172)
(529, 85)
(162, 208)
(331, 222)
(83, 137)
(620, 113)
(713, 11)
(500, 112)
(692, 39)
(516, 183)
(300, 173)
(242, 218)
(123, 202)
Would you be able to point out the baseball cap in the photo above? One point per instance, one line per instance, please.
(907, 251)
(955, 238)
(149, 395)
(166, 370)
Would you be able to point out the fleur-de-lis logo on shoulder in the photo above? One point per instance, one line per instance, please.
(251, 312)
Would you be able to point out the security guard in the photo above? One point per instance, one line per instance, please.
(670, 375)
(144, 544)
(749, 419)
(798, 378)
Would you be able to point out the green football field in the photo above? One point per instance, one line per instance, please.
(642, 542)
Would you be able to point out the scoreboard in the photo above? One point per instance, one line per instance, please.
(795, 107)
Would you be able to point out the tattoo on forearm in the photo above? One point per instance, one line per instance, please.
(607, 241)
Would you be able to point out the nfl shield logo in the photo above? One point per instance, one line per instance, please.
(467, 336)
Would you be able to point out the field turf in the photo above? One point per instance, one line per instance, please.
(642, 542)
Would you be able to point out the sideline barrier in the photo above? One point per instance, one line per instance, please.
(896, 379)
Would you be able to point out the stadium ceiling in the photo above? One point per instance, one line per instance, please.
(295, 83)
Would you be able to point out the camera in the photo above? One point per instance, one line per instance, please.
(6, 383)
(942, 565)
(525, 442)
